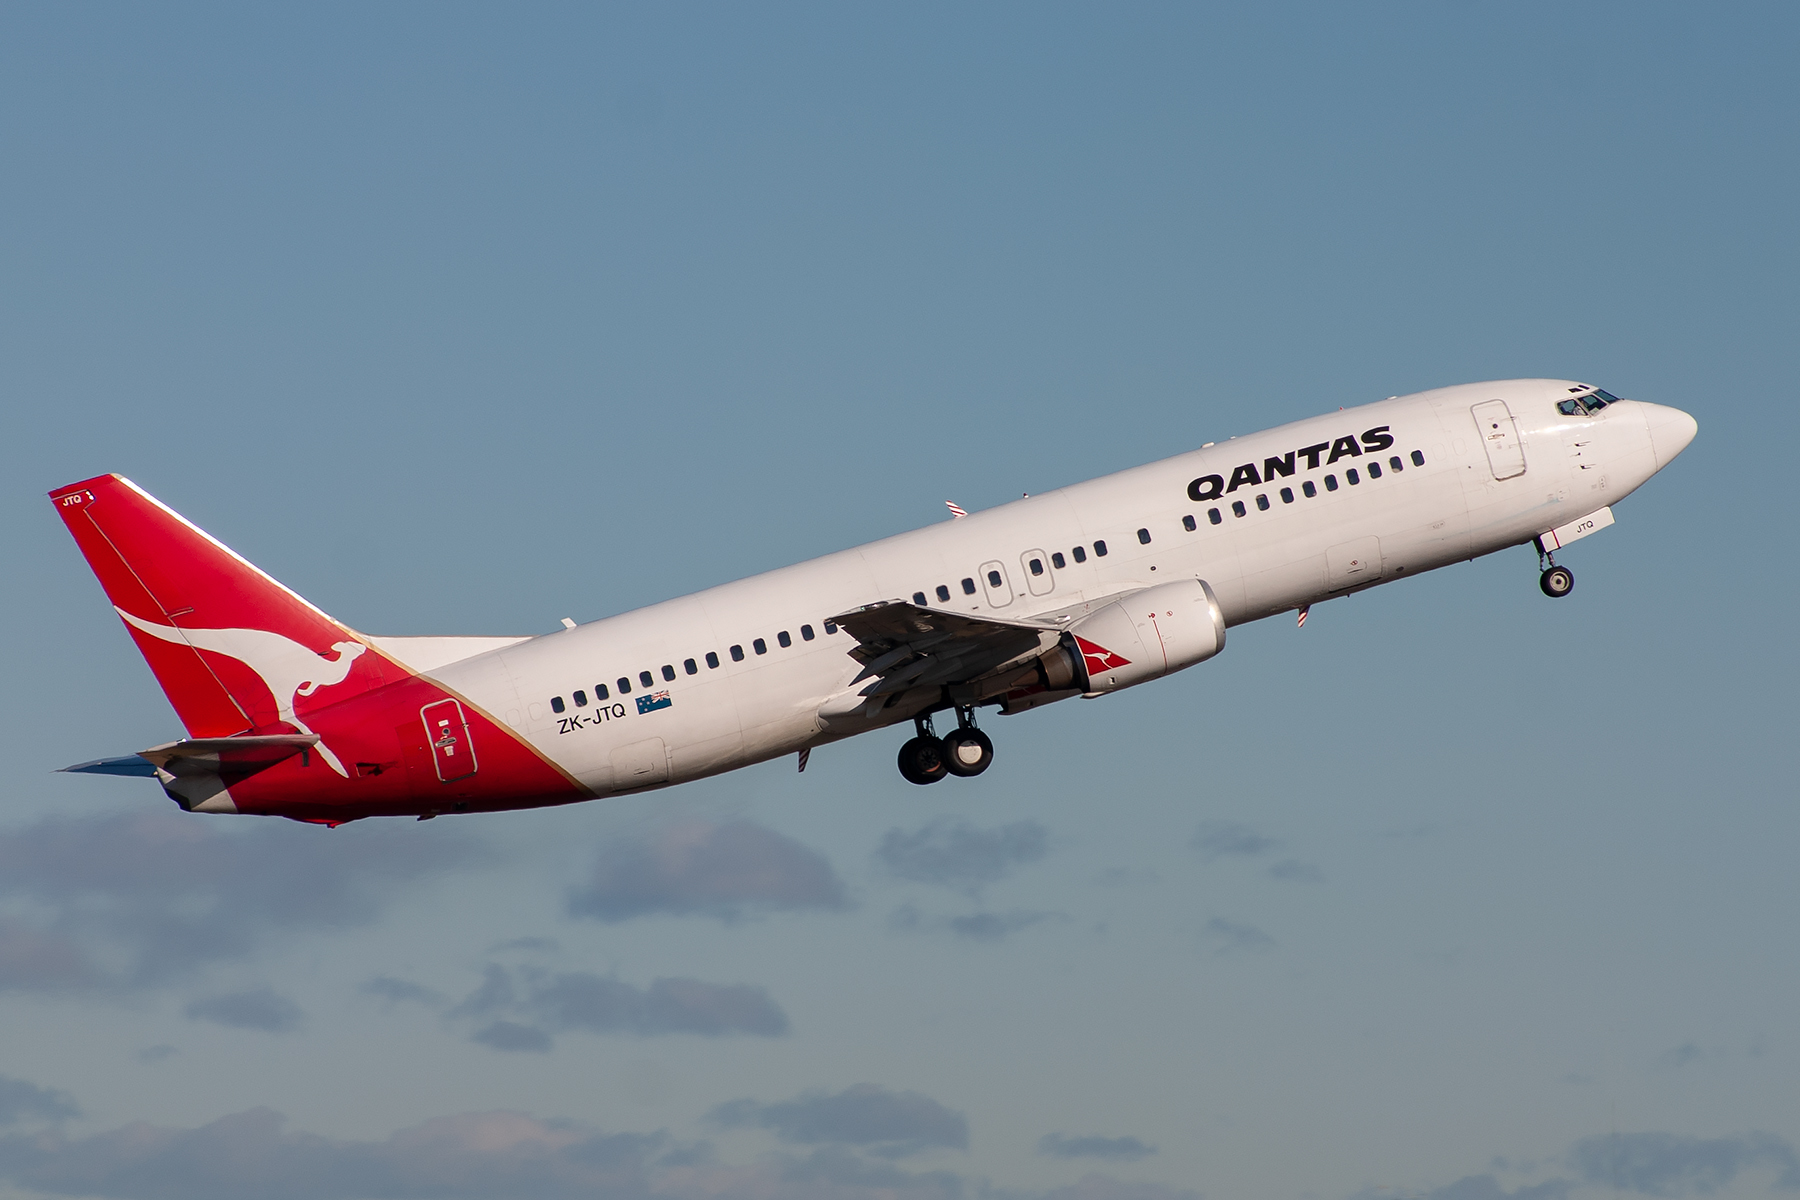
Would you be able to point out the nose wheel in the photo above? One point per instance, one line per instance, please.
(1555, 582)
(965, 752)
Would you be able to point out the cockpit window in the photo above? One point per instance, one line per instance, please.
(1584, 405)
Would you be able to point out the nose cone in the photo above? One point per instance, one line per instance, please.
(1670, 432)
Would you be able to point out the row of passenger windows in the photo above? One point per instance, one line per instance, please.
(994, 579)
(1238, 508)
(1079, 553)
(647, 679)
(1036, 565)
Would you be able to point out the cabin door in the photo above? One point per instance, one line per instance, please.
(1500, 437)
(447, 733)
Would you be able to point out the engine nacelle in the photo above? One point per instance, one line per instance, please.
(1149, 634)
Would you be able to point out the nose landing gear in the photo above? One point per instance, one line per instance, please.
(927, 758)
(1555, 582)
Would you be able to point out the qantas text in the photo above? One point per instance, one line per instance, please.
(1211, 487)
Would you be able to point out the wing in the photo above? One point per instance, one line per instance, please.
(904, 648)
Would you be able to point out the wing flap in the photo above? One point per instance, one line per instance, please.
(905, 649)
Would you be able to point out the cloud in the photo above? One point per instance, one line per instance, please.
(1229, 839)
(1685, 1054)
(510, 1035)
(257, 1008)
(149, 898)
(532, 1004)
(885, 1123)
(1643, 1164)
(475, 1156)
(978, 927)
(955, 854)
(398, 991)
(1116, 1149)
(1479, 1187)
(1230, 937)
(1669, 1164)
(700, 868)
(21, 1101)
(1102, 1187)
(250, 1154)
(1290, 871)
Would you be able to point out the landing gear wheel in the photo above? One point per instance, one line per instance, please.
(968, 752)
(1557, 582)
(924, 760)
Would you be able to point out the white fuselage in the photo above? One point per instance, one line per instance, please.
(1444, 504)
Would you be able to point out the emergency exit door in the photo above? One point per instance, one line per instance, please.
(447, 733)
(1500, 437)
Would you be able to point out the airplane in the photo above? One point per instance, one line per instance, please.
(1083, 591)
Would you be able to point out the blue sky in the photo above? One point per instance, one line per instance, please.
(462, 320)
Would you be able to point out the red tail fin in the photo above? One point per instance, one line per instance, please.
(233, 649)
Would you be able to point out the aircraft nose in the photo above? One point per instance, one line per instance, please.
(1670, 431)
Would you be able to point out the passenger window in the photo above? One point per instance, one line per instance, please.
(1080, 553)
(556, 704)
(919, 599)
(737, 654)
(1374, 469)
(1308, 490)
(624, 686)
(1144, 536)
(647, 679)
(1351, 477)
(1099, 549)
(712, 660)
(968, 586)
(1287, 495)
(1331, 483)
(784, 639)
(1237, 508)
(1037, 566)
(580, 699)
(1057, 560)
(993, 579)
(806, 633)
(668, 673)
(943, 594)
(1262, 503)
(600, 692)
(1212, 514)
(690, 666)
(1418, 457)
(1395, 463)
(760, 646)
(1188, 523)
(830, 628)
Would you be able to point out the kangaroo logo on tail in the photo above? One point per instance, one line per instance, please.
(288, 669)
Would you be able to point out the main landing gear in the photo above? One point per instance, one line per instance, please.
(965, 751)
(1555, 582)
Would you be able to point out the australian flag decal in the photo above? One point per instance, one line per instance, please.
(652, 702)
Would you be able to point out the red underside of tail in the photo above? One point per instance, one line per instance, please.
(238, 653)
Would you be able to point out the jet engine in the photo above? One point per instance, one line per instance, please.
(1148, 634)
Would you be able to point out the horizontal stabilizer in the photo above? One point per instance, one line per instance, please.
(131, 764)
(237, 757)
(196, 772)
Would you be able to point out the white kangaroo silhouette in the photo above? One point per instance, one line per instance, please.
(285, 666)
